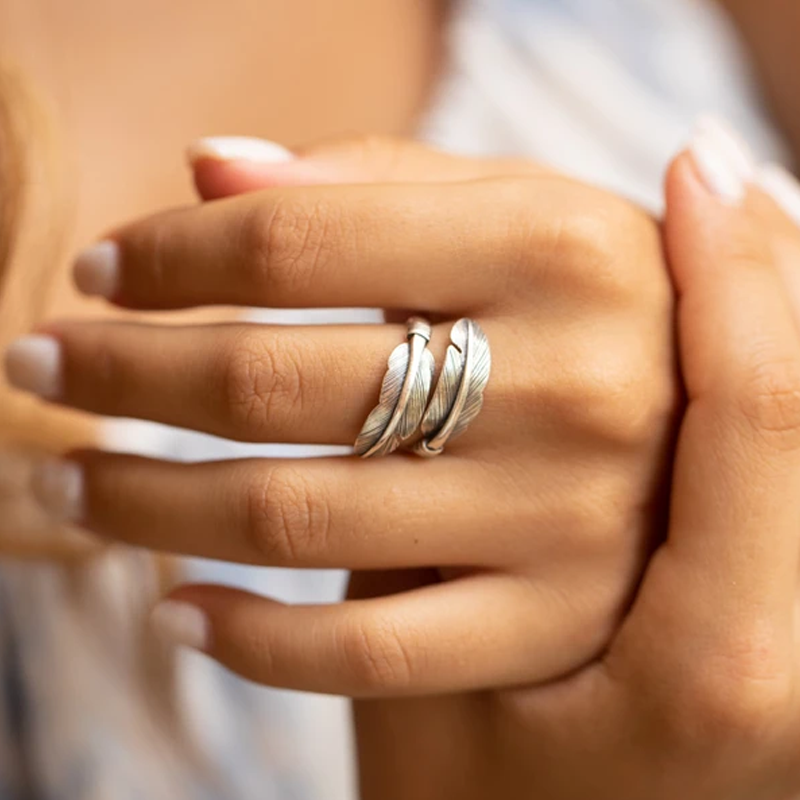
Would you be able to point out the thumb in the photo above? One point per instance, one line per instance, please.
(225, 166)
(727, 574)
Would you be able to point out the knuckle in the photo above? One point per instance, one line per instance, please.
(640, 412)
(602, 519)
(263, 381)
(288, 521)
(597, 241)
(615, 406)
(286, 244)
(376, 656)
(619, 398)
(592, 247)
(769, 401)
(713, 710)
(739, 692)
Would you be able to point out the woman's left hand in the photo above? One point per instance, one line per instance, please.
(506, 561)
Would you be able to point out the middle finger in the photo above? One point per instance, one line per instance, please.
(437, 247)
(252, 383)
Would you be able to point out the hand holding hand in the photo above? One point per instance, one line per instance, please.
(518, 549)
(696, 696)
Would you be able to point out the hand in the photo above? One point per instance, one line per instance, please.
(508, 560)
(697, 694)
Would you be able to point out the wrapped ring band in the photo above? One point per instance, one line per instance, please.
(458, 397)
(404, 395)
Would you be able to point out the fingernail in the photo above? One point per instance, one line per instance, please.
(96, 270)
(782, 187)
(57, 486)
(238, 148)
(732, 143)
(723, 159)
(33, 364)
(180, 623)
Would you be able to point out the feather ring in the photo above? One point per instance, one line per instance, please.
(404, 395)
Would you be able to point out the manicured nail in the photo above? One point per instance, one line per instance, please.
(33, 364)
(57, 486)
(181, 623)
(723, 159)
(782, 187)
(238, 148)
(96, 270)
(737, 150)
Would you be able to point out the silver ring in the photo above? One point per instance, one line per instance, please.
(404, 395)
(458, 397)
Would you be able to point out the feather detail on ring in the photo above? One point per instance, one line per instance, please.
(404, 397)
(458, 397)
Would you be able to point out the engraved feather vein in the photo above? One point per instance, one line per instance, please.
(470, 348)
(445, 393)
(391, 389)
(480, 357)
(390, 392)
(418, 397)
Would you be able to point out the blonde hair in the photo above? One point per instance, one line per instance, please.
(33, 211)
(31, 203)
(33, 216)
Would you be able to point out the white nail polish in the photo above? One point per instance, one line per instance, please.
(716, 170)
(180, 623)
(33, 364)
(737, 152)
(57, 486)
(96, 269)
(782, 187)
(239, 148)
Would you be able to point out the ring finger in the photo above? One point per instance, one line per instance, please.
(308, 513)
